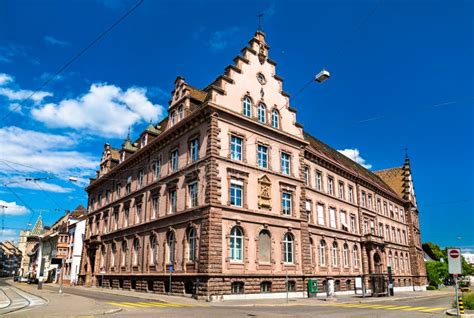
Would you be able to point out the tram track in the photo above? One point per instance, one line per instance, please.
(18, 300)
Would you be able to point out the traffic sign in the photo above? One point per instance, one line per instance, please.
(170, 269)
(454, 261)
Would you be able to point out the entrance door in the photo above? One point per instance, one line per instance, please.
(378, 266)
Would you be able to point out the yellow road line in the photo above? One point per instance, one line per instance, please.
(415, 308)
(136, 304)
(120, 305)
(152, 304)
(432, 309)
(399, 307)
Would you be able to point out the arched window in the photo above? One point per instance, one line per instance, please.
(275, 119)
(247, 106)
(114, 254)
(180, 112)
(264, 247)
(335, 258)
(153, 250)
(173, 118)
(135, 251)
(262, 113)
(124, 253)
(345, 255)
(396, 261)
(236, 244)
(288, 252)
(322, 253)
(192, 239)
(170, 242)
(355, 256)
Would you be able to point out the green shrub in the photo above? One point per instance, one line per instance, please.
(431, 288)
(468, 300)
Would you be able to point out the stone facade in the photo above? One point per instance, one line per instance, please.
(228, 195)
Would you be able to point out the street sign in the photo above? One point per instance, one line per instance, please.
(170, 268)
(454, 261)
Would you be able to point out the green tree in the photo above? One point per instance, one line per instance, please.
(437, 272)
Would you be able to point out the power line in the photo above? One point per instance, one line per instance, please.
(74, 58)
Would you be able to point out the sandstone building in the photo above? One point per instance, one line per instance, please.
(228, 195)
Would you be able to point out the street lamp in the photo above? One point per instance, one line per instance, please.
(322, 76)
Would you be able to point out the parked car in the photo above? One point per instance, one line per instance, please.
(22, 279)
(32, 280)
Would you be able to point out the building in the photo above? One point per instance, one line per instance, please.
(76, 231)
(469, 257)
(229, 196)
(10, 259)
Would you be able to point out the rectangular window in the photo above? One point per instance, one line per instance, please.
(380, 229)
(353, 224)
(320, 214)
(154, 206)
(235, 148)
(402, 215)
(351, 194)
(128, 187)
(308, 210)
(396, 213)
(369, 201)
(193, 194)
(99, 200)
(332, 217)
(140, 178)
(372, 227)
(116, 220)
(285, 163)
(286, 203)
(391, 211)
(342, 195)
(194, 150)
(330, 185)
(126, 216)
(399, 239)
(262, 156)
(306, 176)
(157, 169)
(364, 199)
(117, 190)
(107, 197)
(385, 211)
(394, 237)
(343, 217)
(387, 233)
(319, 181)
(174, 160)
(138, 212)
(173, 200)
(379, 206)
(236, 189)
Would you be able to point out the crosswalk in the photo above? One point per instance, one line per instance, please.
(149, 304)
(389, 307)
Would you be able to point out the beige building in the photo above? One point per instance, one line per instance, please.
(229, 196)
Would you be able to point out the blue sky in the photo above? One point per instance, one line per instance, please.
(402, 77)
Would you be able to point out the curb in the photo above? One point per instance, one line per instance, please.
(112, 311)
(452, 312)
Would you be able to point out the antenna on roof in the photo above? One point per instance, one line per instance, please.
(406, 153)
(260, 27)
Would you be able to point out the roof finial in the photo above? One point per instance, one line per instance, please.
(406, 153)
(260, 27)
(128, 134)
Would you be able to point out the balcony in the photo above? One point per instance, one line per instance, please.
(371, 238)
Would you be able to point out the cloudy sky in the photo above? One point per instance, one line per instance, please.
(401, 77)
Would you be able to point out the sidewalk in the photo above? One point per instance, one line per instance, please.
(61, 305)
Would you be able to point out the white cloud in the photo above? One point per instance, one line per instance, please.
(9, 235)
(5, 78)
(28, 151)
(38, 186)
(13, 209)
(105, 110)
(21, 94)
(53, 41)
(354, 155)
(220, 39)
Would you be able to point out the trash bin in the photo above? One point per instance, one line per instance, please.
(312, 288)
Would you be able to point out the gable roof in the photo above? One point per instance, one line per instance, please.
(334, 156)
(394, 178)
(38, 228)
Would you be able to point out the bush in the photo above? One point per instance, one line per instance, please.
(468, 300)
(431, 288)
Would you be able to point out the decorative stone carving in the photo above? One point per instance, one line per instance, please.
(264, 193)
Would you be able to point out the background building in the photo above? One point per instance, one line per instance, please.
(10, 259)
(228, 196)
(76, 231)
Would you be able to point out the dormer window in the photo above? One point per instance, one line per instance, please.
(247, 106)
(122, 158)
(275, 119)
(144, 140)
(262, 113)
(180, 112)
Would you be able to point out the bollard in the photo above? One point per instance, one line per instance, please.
(461, 305)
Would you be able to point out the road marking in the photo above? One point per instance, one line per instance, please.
(148, 304)
(120, 305)
(415, 308)
(433, 309)
(399, 307)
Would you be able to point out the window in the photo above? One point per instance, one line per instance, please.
(193, 194)
(391, 211)
(155, 205)
(157, 169)
(364, 199)
(116, 220)
(144, 140)
(402, 215)
(135, 252)
(396, 212)
(153, 250)
(342, 195)
(387, 233)
(194, 150)
(262, 113)
(330, 185)
(355, 256)
(335, 257)
(379, 206)
(306, 176)
(117, 190)
(343, 219)
(264, 247)
(351, 194)
(320, 214)
(322, 253)
(138, 210)
(140, 178)
(308, 211)
(236, 244)
(114, 254)
(319, 181)
(275, 119)
(380, 229)
(262, 156)
(180, 112)
(353, 224)
(404, 237)
(170, 244)
(332, 217)
(124, 253)
(285, 163)
(345, 255)
(235, 148)
(369, 201)
(399, 240)
(237, 288)
(126, 215)
(366, 226)
(174, 160)
(173, 200)
(107, 196)
(265, 287)
(291, 286)
(247, 106)
(236, 192)
(192, 239)
(286, 203)
(128, 187)
(393, 235)
(288, 248)
(173, 118)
